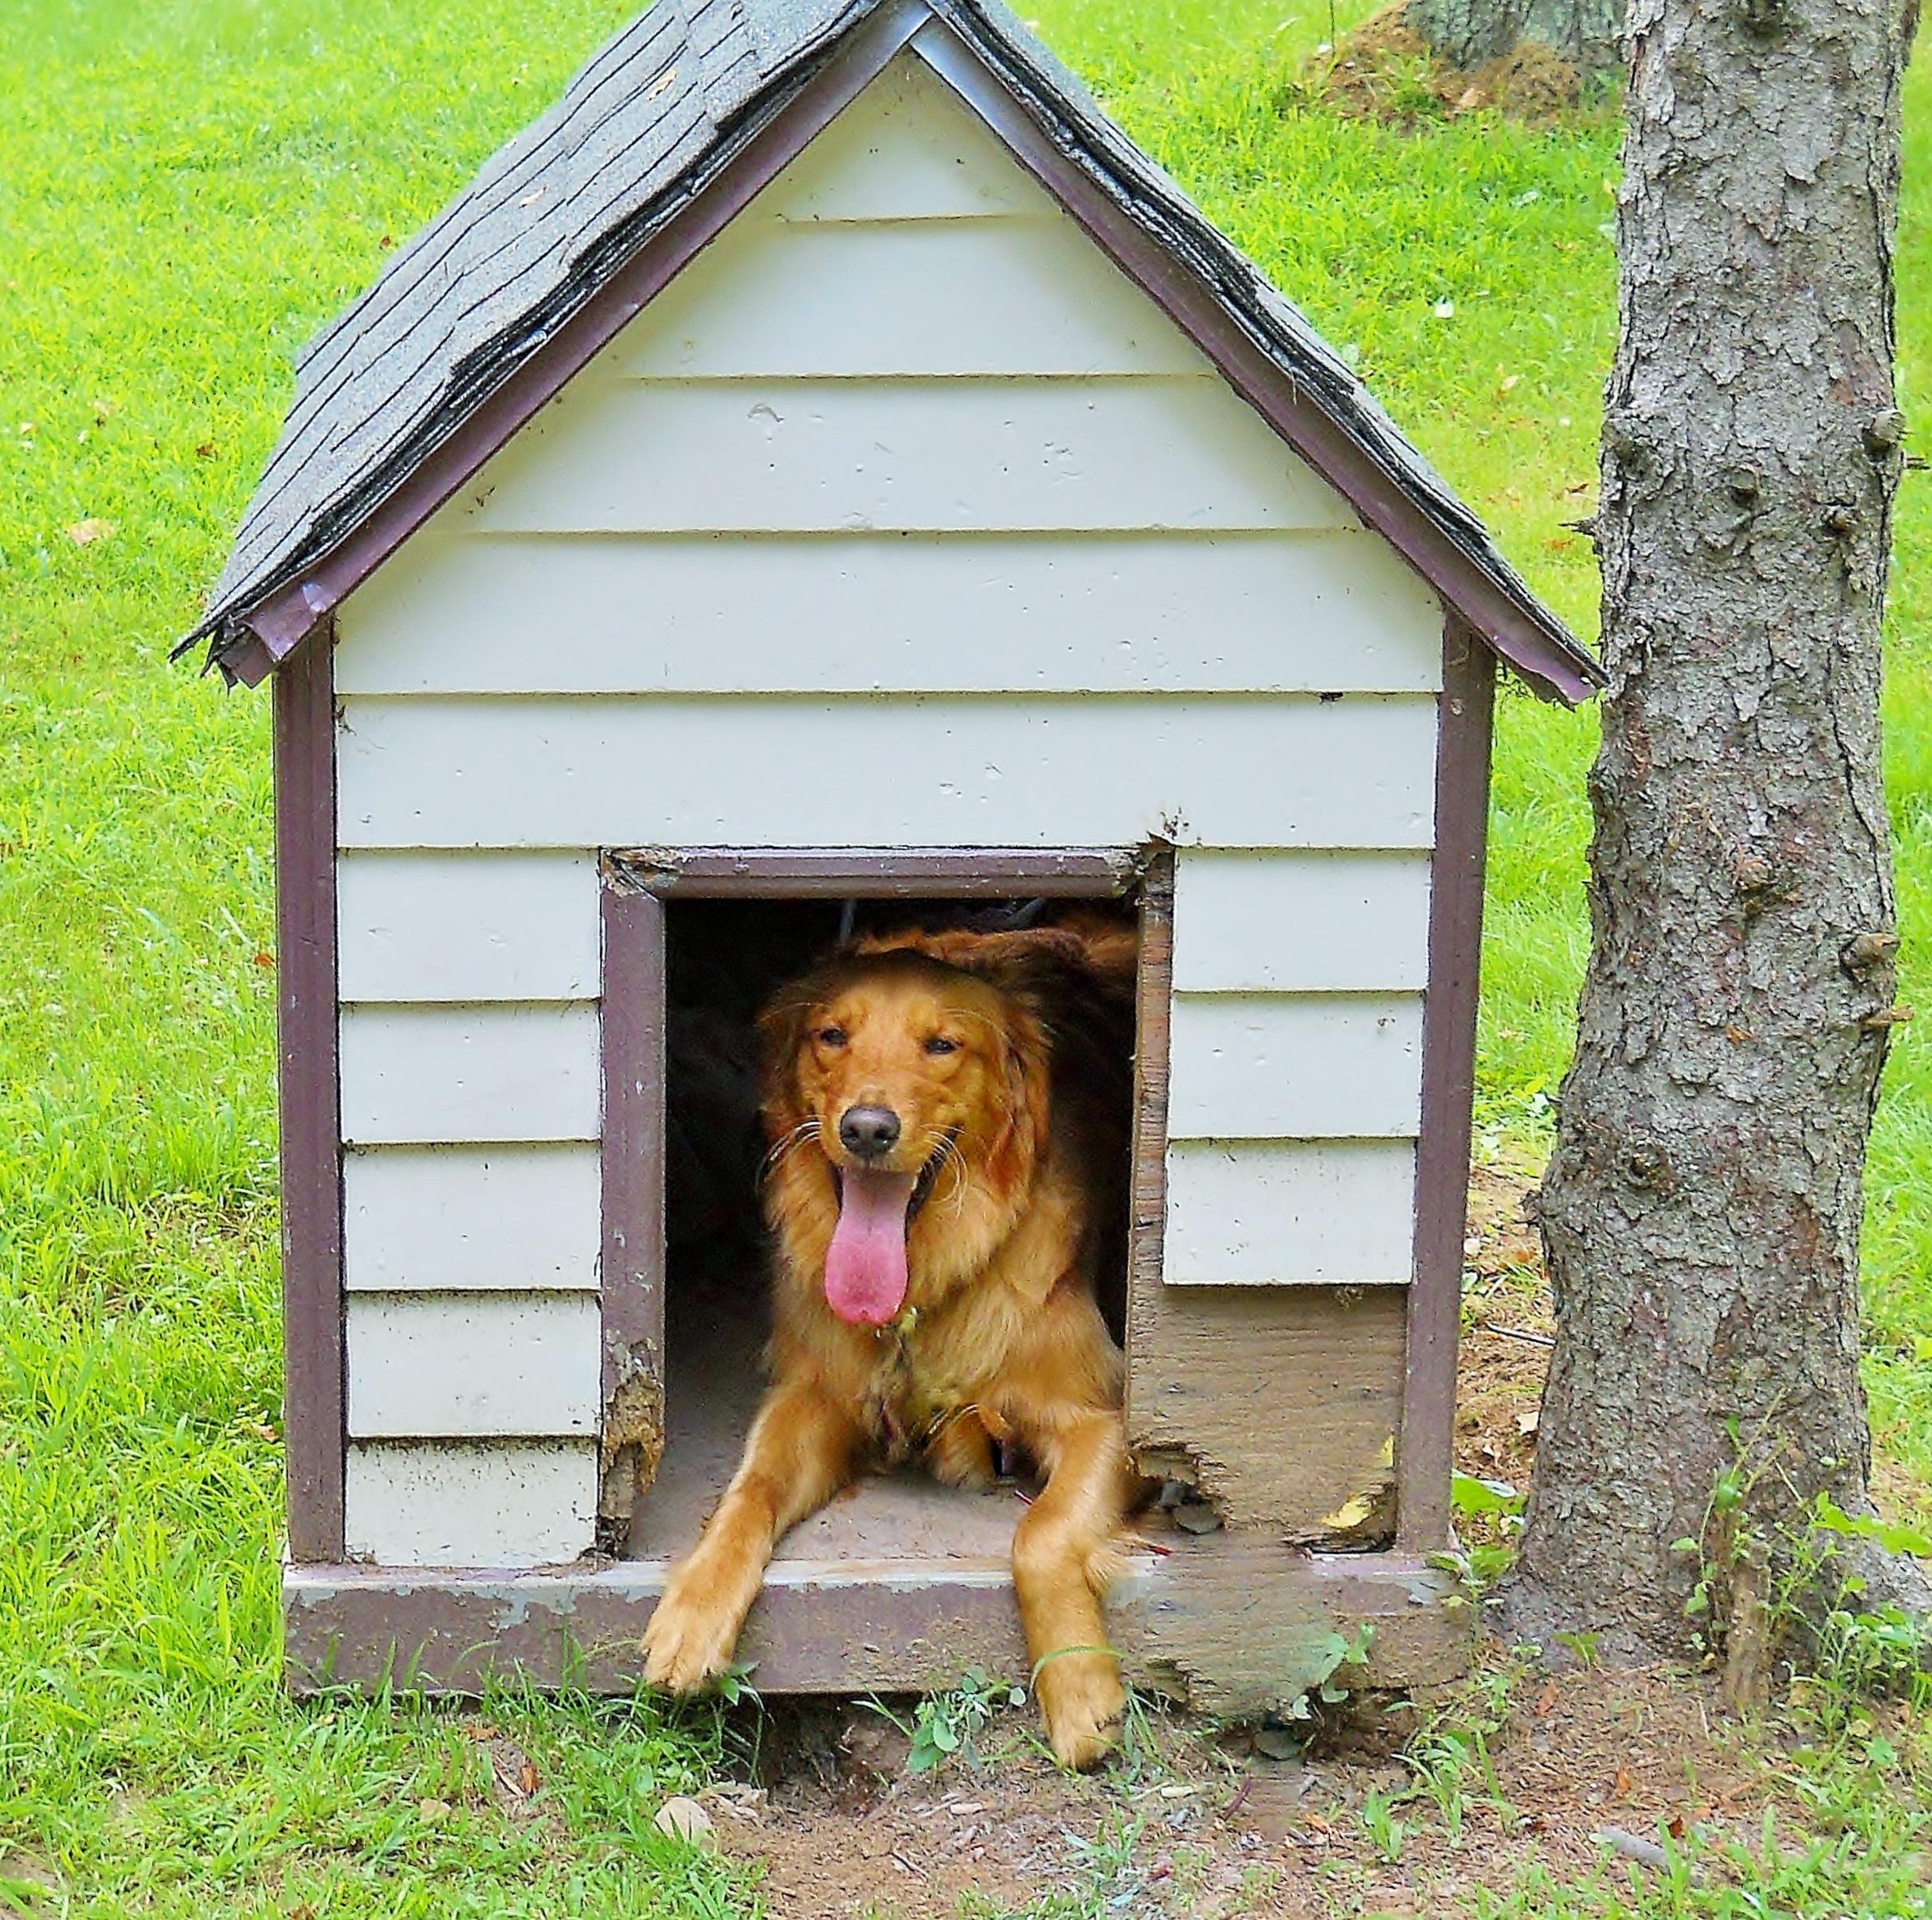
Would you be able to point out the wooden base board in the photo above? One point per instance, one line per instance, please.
(1237, 1625)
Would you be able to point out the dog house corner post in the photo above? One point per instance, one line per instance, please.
(308, 1049)
(1425, 1450)
(631, 1263)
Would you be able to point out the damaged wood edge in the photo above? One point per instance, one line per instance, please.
(1238, 1622)
(631, 1271)
(1147, 1179)
(780, 873)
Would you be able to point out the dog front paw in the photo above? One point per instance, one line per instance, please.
(687, 1645)
(961, 1454)
(1082, 1700)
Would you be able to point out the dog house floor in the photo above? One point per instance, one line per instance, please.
(713, 1391)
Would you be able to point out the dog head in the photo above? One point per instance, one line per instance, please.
(908, 1071)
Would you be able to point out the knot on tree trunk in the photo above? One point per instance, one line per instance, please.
(1882, 432)
(1864, 953)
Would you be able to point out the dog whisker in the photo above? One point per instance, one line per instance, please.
(788, 1143)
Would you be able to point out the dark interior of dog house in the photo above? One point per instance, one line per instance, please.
(725, 957)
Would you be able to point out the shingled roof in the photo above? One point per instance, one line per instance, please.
(670, 128)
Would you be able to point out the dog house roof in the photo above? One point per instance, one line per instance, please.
(566, 231)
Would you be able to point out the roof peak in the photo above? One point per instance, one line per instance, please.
(660, 139)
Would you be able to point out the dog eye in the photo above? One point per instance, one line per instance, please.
(939, 1044)
(830, 1036)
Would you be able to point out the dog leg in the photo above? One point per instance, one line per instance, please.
(800, 1453)
(1063, 1559)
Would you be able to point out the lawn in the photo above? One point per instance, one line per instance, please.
(187, 189)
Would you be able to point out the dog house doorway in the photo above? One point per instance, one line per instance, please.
(695, 945)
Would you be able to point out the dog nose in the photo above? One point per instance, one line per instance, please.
(869, 1131)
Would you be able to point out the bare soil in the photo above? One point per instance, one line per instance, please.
(1198, 1823)
(1383, 70)
(1198, 1820)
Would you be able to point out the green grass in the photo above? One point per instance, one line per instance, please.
(186, 191)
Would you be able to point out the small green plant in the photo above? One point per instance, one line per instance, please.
(1385, 1831)
(944, 1725)
(1582, 1646)
(1477, 1564)
(1333, 1653)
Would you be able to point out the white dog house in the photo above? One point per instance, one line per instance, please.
(821, 462)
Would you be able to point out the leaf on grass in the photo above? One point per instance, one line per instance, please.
(84, 533)
(1470, 1495)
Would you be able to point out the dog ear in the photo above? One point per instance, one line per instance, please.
(781, 1034)
(1028, 965)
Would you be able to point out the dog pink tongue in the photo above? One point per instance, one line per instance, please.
(865, 1265)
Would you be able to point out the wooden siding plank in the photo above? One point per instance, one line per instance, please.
(443, 1219)
(1301, 923)
(1282, 612)
(1269, 1066)
(938, 297)
(473, 1073)
(1357, 772)
(475, 1364)
(501, 926)
(498, 1503)
(1279, 1404)
(904, 150)
(807, 456)
(1287, 1212)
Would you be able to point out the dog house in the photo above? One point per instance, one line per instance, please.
(822, 470)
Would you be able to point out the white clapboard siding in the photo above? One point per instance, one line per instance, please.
(1357, 772)
(474, 1073)
(1301, 923)
(1284, 1212)
(1286, 1066)
(487, 1504)
(803, 456)
(473, 1365)
(495, 926)
(904, 150)
(1279, 613)
(936, 297)
(487, 1218)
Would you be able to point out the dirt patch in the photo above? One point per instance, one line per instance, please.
(1383, 70)
(1198, 1823)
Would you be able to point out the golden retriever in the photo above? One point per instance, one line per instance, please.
(942, 1202)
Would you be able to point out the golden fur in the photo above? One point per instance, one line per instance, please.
(1002, 1339)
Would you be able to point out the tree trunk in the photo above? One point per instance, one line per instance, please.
(1701, 1213)
(1467, 34)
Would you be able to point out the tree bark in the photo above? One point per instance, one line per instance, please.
(1468, 34)
(1701, 1213)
